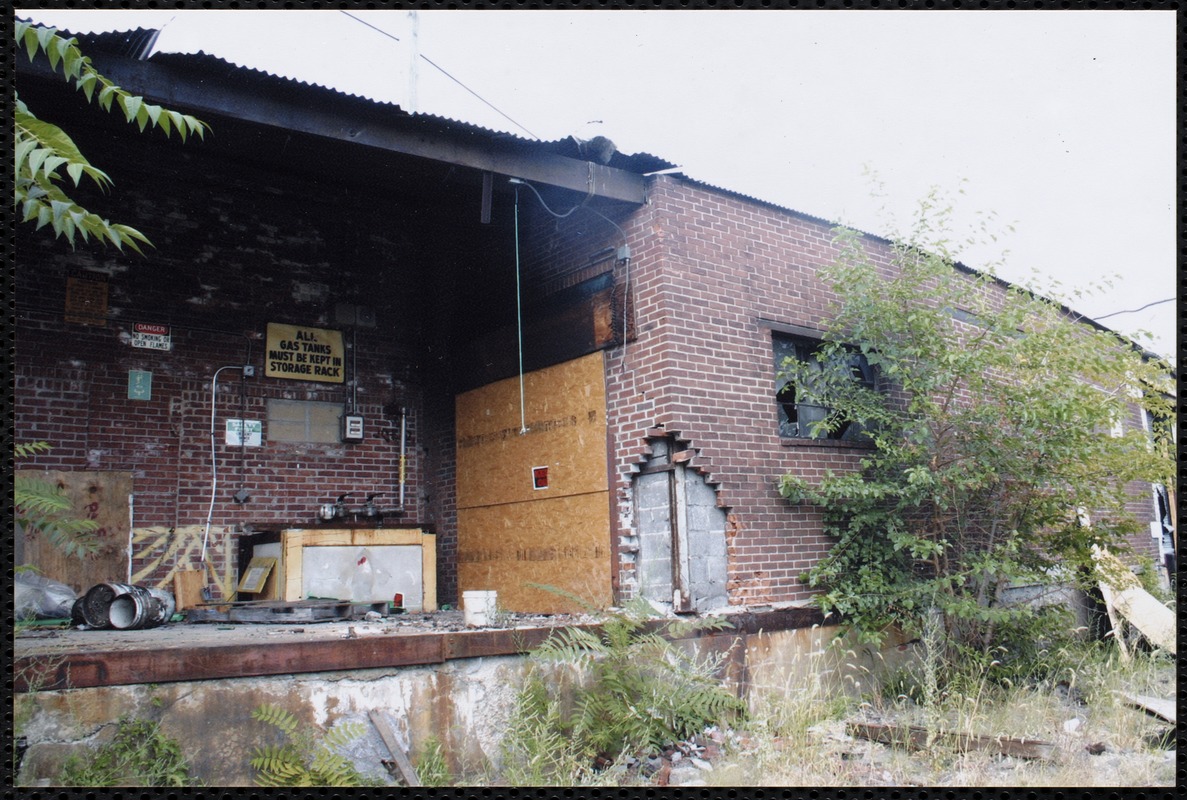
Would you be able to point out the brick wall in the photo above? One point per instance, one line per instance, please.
(238, 247)
(709, 272)
(235, 249)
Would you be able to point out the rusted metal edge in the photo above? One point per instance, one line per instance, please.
(917, 738)
(126, 666)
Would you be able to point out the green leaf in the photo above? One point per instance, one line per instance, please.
(87, 84)
(107, 94)
(131, 105)
(31, 42)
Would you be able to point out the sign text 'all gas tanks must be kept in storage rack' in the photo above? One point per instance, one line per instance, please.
(306, 354)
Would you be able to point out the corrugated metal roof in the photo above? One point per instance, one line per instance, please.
(137, 44)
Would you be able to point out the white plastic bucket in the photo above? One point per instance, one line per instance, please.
(478, 608)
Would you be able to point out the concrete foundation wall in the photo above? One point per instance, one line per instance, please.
(465, 704)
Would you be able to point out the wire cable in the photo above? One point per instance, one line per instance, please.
(1136, 310)
(557, 214)
(446, 73)
(523, 425)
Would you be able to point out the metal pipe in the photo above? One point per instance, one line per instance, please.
(131, 531)
(403, 451)
(213, 455)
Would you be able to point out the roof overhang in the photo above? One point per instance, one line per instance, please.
(317, 112)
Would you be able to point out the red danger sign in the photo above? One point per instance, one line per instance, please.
(150, 327)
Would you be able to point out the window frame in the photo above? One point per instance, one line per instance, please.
(803, 344)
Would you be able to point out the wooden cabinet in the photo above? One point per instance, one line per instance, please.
(363, 565)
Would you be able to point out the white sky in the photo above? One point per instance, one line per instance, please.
(1060, 123)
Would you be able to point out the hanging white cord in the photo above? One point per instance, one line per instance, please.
(523, 425)
(213, 457)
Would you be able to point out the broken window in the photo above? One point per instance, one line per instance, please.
(802, 398)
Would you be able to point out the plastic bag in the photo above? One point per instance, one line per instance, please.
(38, 597)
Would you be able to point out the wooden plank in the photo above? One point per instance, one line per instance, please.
(1140, 608)
(428, 571)
(187, 587)
(407, 771)
(101, 496)
(918, 738)
(499, 642)
(1154, 706)
(373, 537)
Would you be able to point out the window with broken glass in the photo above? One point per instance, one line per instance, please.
(805, 378)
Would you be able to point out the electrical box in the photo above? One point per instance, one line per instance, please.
(352, 428)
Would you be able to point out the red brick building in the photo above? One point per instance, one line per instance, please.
(565, 379)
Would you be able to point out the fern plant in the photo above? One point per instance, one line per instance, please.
(42, 506)
(304, 759)
(634, 691)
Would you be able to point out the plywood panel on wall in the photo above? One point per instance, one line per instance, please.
(561, 542)
(510, 532)
(101, 496)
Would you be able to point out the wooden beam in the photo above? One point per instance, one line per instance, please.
(320, 112)
(1154, 706)
(918, 738)
(407, 771)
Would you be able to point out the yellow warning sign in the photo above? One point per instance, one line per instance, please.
(304, 354)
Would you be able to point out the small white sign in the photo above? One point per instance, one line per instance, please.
(151, 336)
(235, 433)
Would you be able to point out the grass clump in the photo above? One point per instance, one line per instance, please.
(431, 767)
(593, 699)
(138, 755)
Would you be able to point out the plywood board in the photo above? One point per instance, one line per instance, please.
(565, 413)
(101, 496)
(561, 542)
(512, 533)
(187, 587)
